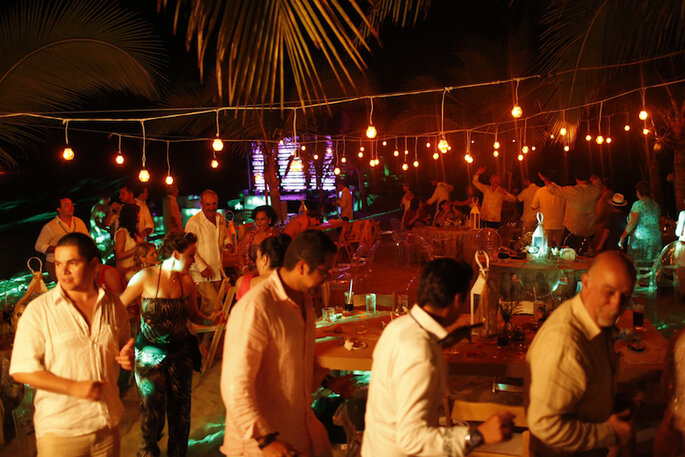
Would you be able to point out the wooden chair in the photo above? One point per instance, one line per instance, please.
(344, 244)
(519, 445)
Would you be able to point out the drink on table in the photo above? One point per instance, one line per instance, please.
(638, 316)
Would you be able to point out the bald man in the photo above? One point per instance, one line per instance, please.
(573, 367)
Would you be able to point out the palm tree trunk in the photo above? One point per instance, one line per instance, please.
(270, 159)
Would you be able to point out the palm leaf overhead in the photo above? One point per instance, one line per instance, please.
(265, 47)
(54, 55)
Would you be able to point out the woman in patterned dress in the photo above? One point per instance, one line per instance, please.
(643, 227)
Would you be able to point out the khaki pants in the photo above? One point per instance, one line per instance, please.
(103, 443)
(208, 292)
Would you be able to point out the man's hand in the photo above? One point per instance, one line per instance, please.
(126, 356)
(279, 449)
(207, 272)
(622, 428)
(343, 385)
(480, 170)
(88, 390)
(497, 428)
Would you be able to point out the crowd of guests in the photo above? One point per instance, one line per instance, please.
(587, 216)
(71, 342)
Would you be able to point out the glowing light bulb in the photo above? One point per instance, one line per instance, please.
(532, 148)
(217, 145)
(371, 132)
(525, 149)
(599, 139)
(626, 128)
(296, 166)
(406, 152)
(169, 180)
(385, 143)
(68, 154)
(360, 154)
(520, 157)
(372, 163)
(552, 136)
(396, 153)
(588, 137)
(329, 150)
(214, 163)
(643, 115)
(144, 175)
(316, 156)
(516, 111)
(645, 131)
(496, 145)
(281, 142)
(428, 145)
(119, 159)
(443, 146)
(336, 171)
(609, 140)
(343, 159)
(416, 163)
(405, 167)
(468, 158)
(495, 153)
(304, 148)
(567, 148)
(436, 156)
(563, 131)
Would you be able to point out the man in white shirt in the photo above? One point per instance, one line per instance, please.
(529, 216)
(493, 199)
(69, 345)
(440, 193)
(573, 366)
(409, 374)
(552, 209)
(210, 229)
(146, 224)
(268, 370)
(344, 201)
(172, 214)
(64, 223)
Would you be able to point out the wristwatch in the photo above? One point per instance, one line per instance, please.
(473, 439)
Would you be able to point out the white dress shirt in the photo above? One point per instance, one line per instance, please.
(440, 194)
(491, 209)
(146, 220)
(53, 231)
(581, 207)
(526, 196)
(552, 208)
(53, 336)
(267, 374)
(210, 245)
(408, 385)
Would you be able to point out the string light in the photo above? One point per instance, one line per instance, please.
(532, 148)
(520, 157)
(495, 153)
(169, 180)
(436, 156)
(516, 111)
(525, 149)
(588, 137)
(371, 130)
(567, 148)
(609, 140)
(361, 148)
(119, 159)
(217, 144)
(360, 154)
(336, 171)
(304, 148)
(68, 153)
(551, 136)
(562, 131)
(405, 167)
(316, 156)
(599, 139)
(416, 163)
(396, 153)
(443, 145)
(144, 175)
(626, 128)
(428, 145)
(496, 145)
(645, 131)
(643, 115)
(343, 159)
(468, 158)
(385, 143)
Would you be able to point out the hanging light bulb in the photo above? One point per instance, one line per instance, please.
(496, 145)
(626, 128)
(588, 137)
(468, 158)
(372, 162)
(119, 159)
(304, 148)
(371, 131)
(316, 156)
(144, 175)
(443, 145)
(329, 150)
(169, 180)
(214, 163)
(436, 156)
(599, 139)
(525, 149)
(416, 163)
(360, 154)
(516, 111)
(520, 157)
(385, 143)
(396, 153)
(68, 154)
(361, 148)
(643, 115)
(645, 131)
(552, 136)
(343, 159)
(336, 171)
(428, 145)
(567, 148)
(609, 140)
(495, 153)
(406, 152)
(405, 167)
(532, 148)
(218, 145)
(563, 131)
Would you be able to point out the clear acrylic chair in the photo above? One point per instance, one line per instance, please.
(664, 268)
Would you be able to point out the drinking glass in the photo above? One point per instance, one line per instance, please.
(638, 316)
(402, 305)
(328, 314)
(370, 304)
(349, 302)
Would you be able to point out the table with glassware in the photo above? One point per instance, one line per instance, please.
(457, 242)
(348, 343)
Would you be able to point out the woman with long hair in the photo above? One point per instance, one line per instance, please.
(126, 239)
(270, 255)
(265, 220)
(166, 353)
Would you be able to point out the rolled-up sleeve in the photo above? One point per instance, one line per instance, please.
(247, 336)
(28, 353)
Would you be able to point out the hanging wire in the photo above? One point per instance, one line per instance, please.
(525, 130)
(217, 123)
(66, 130)
(599, 120)
(371, 111)
(442, 111)
(142, 123)
(516, 92)
(120, 143)
(168, 165)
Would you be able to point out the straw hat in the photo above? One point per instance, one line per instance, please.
(618, 200)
